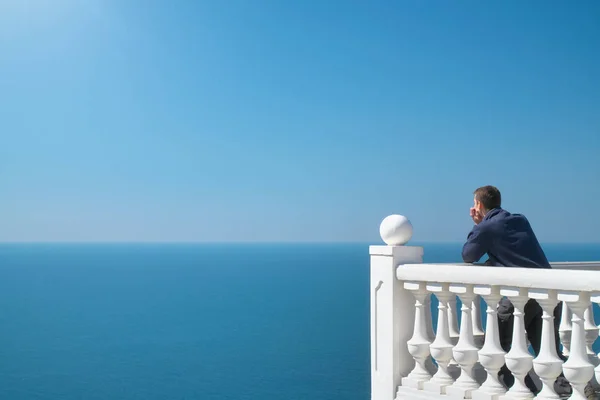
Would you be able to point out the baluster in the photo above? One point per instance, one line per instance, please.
(565, 328)
(431, 367)
(465, 351)
(518, 359)
(578, 369)
(547, 364)
(596, 299)
(429, 317)
(453, 319)
(591, 334)
(478, 334)
(418, 345)
(441, 348)
(453, 367)
(478, 337)
(491, 355)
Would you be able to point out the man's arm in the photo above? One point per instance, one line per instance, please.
(478, 243)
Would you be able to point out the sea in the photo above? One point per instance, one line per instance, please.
(193, 321)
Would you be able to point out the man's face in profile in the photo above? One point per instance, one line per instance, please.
(477, 211)
(477, 205)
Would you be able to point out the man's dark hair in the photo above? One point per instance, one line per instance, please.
(489, 196)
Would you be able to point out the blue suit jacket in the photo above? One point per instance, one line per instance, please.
(507, 239)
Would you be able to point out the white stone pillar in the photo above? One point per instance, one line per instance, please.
(547, 365)
(591, 330)
(431, 367)
(596, 299)
(441, 348)
(578, 369)
(392, 308)
(478, 337)
(453, 367)
(418, 345)
(591, 334)
(430, 332)
(491, 355)
(453, 319)
(465, 351)
(478, 334)
(518, 359)
(565, 328)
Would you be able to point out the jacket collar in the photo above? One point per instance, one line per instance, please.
(492, 213)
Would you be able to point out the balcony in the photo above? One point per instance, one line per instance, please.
(455, 355)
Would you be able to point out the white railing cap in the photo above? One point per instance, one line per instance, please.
(582, 265)
(558, 279)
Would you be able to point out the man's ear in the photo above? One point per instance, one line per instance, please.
(480, 207)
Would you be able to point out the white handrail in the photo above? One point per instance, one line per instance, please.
(581, 265)
(558, 279)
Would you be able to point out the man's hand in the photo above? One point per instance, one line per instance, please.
(476, 215)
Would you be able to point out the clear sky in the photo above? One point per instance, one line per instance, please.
(272, 120)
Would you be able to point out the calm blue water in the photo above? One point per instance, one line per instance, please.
(161, 322)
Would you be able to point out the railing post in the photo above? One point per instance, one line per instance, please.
(392, 308)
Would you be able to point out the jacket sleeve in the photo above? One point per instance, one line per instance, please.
(478, 243)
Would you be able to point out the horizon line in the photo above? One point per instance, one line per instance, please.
(258, 242)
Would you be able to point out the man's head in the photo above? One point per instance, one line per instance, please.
(486, 198)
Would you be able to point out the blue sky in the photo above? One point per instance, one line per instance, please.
(295, 121)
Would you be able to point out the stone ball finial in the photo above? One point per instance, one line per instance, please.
(396, 230)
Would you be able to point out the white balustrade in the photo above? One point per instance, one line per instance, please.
(404, 344)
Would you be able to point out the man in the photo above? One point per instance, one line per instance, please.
(509, 241)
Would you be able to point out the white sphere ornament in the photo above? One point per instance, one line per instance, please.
(396, 230)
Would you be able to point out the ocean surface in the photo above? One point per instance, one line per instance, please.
(184, 321)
